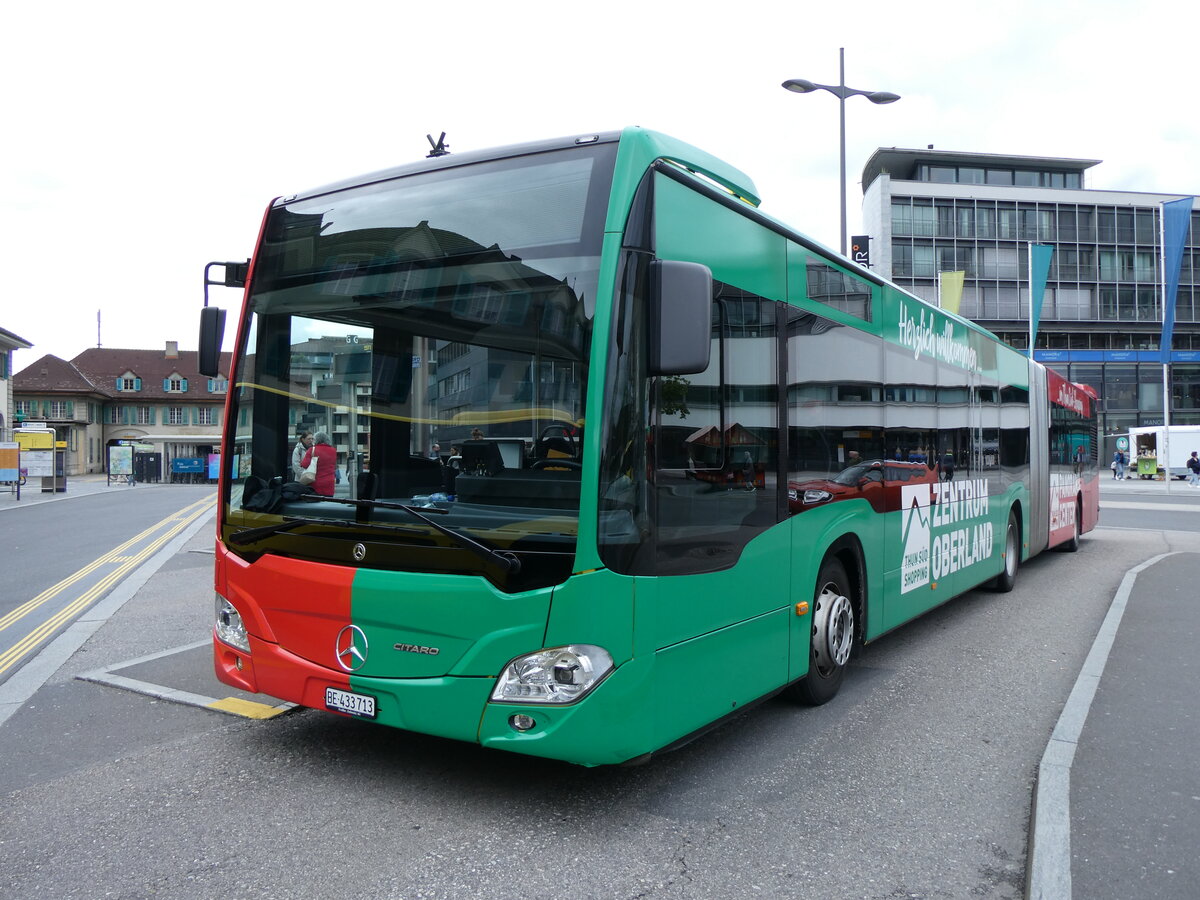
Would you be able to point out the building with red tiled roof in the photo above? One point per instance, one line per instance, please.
(154, 399)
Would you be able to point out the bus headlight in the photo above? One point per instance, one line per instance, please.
(229, 625)
(556, 675)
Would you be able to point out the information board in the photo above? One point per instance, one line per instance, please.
(35, 440)
(38, 462)
(120, 460)
(10, 461)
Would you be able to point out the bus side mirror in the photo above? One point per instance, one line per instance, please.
(681, 301)
(212, 329)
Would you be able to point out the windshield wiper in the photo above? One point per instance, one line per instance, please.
(506, 560)
(253, 535)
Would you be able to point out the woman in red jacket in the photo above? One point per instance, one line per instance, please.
(326, 463)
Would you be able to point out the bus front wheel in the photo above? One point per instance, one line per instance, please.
(832, 636)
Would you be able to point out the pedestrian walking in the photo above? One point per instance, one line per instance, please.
(1193, 465)
(1118, 465)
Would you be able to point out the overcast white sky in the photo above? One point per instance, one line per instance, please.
(143, 140)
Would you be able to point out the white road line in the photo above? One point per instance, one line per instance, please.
(1157, 507)
(161, 691)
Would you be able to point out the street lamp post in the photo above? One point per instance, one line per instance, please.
(803, 86)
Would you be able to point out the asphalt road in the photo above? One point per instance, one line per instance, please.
(63, 556)
(913, 783)
(48, 541)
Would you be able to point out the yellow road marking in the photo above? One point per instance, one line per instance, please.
(51, 592)
(40, 633)
(248, 708)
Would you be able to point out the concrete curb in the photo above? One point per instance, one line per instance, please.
(1048, 862)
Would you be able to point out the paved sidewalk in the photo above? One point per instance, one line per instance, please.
(1117, 805)
(77, 486)
(1176, 488)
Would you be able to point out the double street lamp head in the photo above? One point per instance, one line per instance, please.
(800, 85)
(804, 86)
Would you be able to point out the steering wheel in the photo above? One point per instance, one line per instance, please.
(563, 431)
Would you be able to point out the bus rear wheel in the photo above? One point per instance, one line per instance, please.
(832, 636)
(1012, 556)
(1073, 544)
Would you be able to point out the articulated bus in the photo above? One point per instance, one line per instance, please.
(688, 458)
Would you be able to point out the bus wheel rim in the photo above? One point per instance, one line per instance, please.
(833, 629)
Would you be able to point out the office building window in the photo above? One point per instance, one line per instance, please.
(945, 220)
(1185, 386)
(922, 220)
(922, 261)
(1120, 386)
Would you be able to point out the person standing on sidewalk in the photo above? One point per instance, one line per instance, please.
(326, 456)
(1118, 465)
(1193, 465)
(302, 444)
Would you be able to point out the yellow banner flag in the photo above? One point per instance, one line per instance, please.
(950, 291)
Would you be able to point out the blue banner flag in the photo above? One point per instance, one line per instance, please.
(1039, 271)
(1176, 215)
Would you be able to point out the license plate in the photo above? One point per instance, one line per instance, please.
(352, 704)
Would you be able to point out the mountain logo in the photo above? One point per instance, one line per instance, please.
(914, 571)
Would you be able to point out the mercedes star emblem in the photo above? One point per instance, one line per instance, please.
(360, 551)
(351, 648)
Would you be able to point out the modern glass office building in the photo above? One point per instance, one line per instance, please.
(929, 211)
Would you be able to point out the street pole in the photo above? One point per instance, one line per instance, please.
(839, 90)
(842, 136)
(1165, 351)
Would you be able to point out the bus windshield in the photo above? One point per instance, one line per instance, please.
(422, 342)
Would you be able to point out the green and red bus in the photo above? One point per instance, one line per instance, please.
(617, 454)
